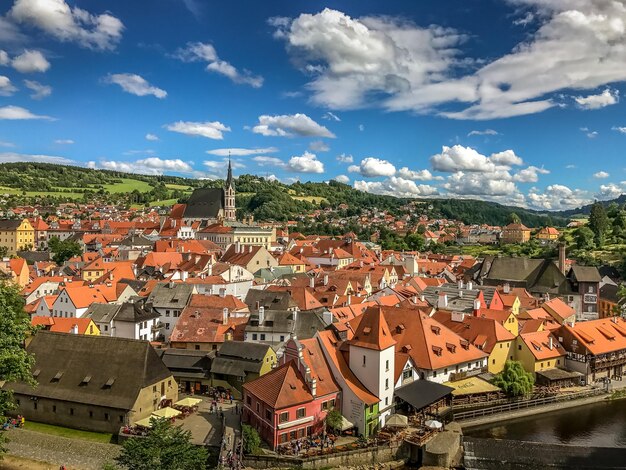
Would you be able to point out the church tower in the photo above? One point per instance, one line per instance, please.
(229, 196)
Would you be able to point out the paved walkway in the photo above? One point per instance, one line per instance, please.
(75, 454)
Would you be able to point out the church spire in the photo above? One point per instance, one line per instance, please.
(229, 177)
(230, 210)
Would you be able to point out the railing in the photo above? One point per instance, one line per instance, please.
(522, 404)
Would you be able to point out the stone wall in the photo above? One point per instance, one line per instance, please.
(382, 453)
(496, 454)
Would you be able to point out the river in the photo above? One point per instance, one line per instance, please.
(596, 425)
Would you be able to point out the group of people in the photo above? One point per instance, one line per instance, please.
(307, 443)
(14, 423)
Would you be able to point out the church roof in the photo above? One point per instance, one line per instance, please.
(205, 203)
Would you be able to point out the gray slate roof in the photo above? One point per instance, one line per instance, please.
(280, 300)
(204, 203)
(175, 296)
(129, 366)
(586, 273)
(186, 363)
(243, 350)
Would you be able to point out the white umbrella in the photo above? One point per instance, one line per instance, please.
(434, 424)
(399, 421)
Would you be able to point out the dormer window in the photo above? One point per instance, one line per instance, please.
(437, 350)
(451, 347)
(435, 329)
(57, 377)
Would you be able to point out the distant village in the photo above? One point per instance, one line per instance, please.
(156, 306)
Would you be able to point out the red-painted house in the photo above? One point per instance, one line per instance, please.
(291, 401)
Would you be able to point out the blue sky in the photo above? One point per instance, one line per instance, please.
(514, 101)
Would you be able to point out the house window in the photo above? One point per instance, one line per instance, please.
(519, 347)
(106, 416)
(407, 374)
(54, 408)
(90, 414)
(387, 365)
(254, 336)
(283, 417)
(249, 400)
(35, 405)
(268, 415)
(434, 373)
(262, 336)
(386, 384)
(121, 418)
(72, 411)
(300, 413)
(197, 346)
(386, 401)
(258, 408)
(364, 361)
(282, 338)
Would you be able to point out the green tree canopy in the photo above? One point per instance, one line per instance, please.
(63, 249)
(514, 218)
(598, 222)
(334, 419)
(514, 380)
(584, 238)
(166, 447)
(15, 362)
(251, 439)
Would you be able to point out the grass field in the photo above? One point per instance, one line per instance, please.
(181, 187)
(68, 432)
(127, 185)
(13, 462)
(5, 190)
(317, 199)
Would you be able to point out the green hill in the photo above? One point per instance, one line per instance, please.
(43, 183)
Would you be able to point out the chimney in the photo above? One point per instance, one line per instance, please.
(222, 292)
(184, 275)
(74, 329)
(225, 316)
(507, 288)
(476, 307)
(349, 299)
(312, 283)
(210, 269)
(171, 284)
(422, 298)
(313, 385)
(461, 285)
(237, 246)
(470, 285)
(325, 279)
(550, 343)
(249, 248)
(562, 257)
(443, 301)
(261, 316)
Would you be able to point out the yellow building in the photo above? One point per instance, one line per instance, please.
(16, 235)
(539, 350)
(515, 233)
(548, 233)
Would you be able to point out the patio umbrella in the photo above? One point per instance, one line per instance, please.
(188, 402)
(167, 412)
(434, 424)
(144, 423)
(397, 421)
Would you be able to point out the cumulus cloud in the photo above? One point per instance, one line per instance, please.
(152, 137)
(530, 174)
(211, 130)
(342, 179)
(10, 157)
(6, 87)
(64, 141)
(459, 158)
(496, 183)
(371, 167)
(135, 85)
(621, 130)
(395, 186)
(148, 166)
(606, 98)
(611, 191)
(556, 197)
(319, 146)
(39, 90)
(421, 175)
(485, 132)
(30, 61)
(589, 133)
(305, 163)
(201, 52)
(18, 113)
(241, 152)
(601, 175)
(344, 158)
(65, 23)
(289, 125)
(395, 64)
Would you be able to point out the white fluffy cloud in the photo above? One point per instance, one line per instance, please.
(149, 166)
(421, 175)
(620, 129)
(64, 141)
(6, 157)
(496, 183)
(344, 158)
(39, 90)
(305, 163)
(319, 146)
(65, 23)
(18, 113)
(6, 87)
(459, 158)
(201, 52)
(393, 63)
(289, 125)
(30, 61)
(371, 167)
(556, 197)
(135, 85)
(530, 174)
(241, 152)
(152, 137)
(395, 186)
(601, 175)
(485, 132)
(606, 98)
(211, 130)
(611, 190)
(342, 179)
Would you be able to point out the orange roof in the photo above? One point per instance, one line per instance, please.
(600, 336)
(558, 309)
(62, 325)
(484, 333)
(314, 358)
(280, 388)
(205, 325)
(287, 259)
(373, 331)
(538, 343)
(84, 296)
(230, 302)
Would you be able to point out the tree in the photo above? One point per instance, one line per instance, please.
(598, 222)
(15, 362)
(166, 447)
(63, 249)
(584, 237)
(514, 218)
(415, 241)
(4, 251)
(251, 439)
(514, 380)
(334, 419)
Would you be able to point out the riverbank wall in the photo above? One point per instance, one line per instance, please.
(497, 454)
